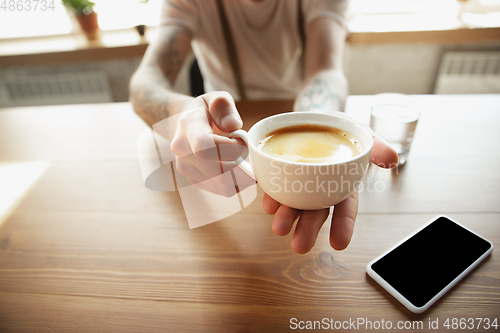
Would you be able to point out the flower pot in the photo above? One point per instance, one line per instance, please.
(141, 29)
(89, 25)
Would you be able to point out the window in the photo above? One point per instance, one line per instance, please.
(364, 15)
(19, 18)
(411, 15)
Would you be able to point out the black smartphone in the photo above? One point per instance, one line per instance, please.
(425, 265)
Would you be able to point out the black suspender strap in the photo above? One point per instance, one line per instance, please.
(231, 48)
(231, 51)
(302, 34)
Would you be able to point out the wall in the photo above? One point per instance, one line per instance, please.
(370, 68)
(406, 68)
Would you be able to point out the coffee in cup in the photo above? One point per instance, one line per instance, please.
(310, 143)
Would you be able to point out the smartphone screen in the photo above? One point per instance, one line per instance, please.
(429, 261)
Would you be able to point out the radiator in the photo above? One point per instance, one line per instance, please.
(51, 89)
(469, 73)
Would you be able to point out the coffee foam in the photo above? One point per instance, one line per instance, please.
(310, 144)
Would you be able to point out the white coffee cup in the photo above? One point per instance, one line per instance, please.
(306, 186)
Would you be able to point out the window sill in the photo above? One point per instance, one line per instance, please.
(75, 47)
(127, 43)
(460, 35)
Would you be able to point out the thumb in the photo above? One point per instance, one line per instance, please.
(382, 154)
(222, 109)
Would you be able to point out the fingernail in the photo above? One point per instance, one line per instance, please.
(231, 121)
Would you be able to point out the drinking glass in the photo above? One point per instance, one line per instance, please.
(394, 117)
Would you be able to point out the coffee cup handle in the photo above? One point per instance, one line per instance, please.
(244, 165)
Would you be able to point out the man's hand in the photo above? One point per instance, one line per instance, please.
(310, 221)
(202, 153)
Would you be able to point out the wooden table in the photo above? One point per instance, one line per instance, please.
(84, 246)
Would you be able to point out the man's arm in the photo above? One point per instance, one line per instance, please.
(151, 91)
(324, 86)
(201, 119)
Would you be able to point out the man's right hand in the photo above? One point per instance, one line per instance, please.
(203, 154)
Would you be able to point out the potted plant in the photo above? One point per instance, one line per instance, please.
(87, 18)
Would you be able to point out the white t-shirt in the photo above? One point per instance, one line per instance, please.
(266, 36)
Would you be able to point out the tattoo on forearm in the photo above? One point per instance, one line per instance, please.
(151, 87)
(318, 95)
(171, 56)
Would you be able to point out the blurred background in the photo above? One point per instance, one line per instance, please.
(406, 46)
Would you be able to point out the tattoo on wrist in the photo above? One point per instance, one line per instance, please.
(320, 96)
